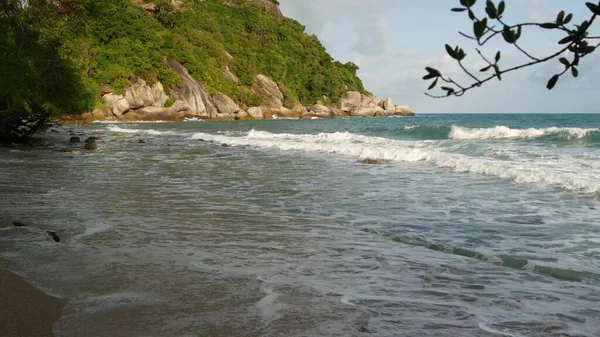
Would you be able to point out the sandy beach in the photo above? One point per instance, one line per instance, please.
(24, 310)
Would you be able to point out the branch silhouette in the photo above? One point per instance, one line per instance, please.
(576, 41)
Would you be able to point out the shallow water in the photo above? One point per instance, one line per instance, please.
(471, 226)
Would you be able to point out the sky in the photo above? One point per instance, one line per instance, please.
(392, 41)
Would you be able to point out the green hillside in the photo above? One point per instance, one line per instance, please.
(60, 52)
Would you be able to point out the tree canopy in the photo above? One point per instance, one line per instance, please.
(573, 46)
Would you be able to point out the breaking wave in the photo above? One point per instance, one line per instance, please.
(140, 131)
(503, 132)
(568, 173)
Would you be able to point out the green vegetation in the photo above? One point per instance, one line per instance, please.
(57, 53)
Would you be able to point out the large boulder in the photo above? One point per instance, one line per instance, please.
(199, 104)
(320, 111)
(116, 104)
(388, 105)
(225, 105)
(369, 107)
(141, 95)
(403, 111)
(241, 115)
(255, 113)
(263, 85)
(350, 101)
(287, 113)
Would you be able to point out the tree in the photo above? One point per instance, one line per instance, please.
(37, 83)
(574, 45)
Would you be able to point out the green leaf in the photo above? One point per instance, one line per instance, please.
(497, 70)
(549, 25)
(453, 54)
(501, 8)
(593, 7)
(433, 71)
(564, 61)
(461, 55)
(552, 82)
(574, 72)
(491, 10)
(518, 35)
(471, 15)
(508, 34)
(560, 18)
(567, 39)
(464, 3)
(483, 70)
(498, 55)
(479, 28)
(471, 3)
(433, 84)
(568, 19)
(459, 9)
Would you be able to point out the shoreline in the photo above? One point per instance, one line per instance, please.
(25, 310)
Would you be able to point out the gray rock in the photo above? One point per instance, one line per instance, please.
(225, 105)
(263, 85)
(255, 113)
(90, 144)
(74, 140)
(197, 101)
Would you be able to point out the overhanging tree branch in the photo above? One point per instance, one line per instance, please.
(577, 42)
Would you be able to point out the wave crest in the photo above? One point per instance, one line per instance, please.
(504, 132)
(565, 173)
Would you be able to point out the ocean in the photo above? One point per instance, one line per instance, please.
(471, 225)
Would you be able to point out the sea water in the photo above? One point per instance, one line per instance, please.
(471, 225)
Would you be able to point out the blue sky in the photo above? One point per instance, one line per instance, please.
(394, 40)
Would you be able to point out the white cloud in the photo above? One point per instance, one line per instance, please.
(392, 41)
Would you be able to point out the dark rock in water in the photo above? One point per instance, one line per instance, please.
(221, 155)
(371, 162)
(53, 236)
(141, 141)
(225, 145)
(200, 140)
(90, 144)
(74, 140)
(54, 131)
(19, 224)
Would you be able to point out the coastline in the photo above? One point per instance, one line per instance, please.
(25, 310)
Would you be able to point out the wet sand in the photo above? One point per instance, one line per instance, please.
(24, 310)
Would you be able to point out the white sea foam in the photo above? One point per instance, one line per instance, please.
(411, 127)
(130, 122)
(503, 132)
(569, 173)
(140, 131)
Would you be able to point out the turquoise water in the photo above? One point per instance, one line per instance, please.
(472, 225)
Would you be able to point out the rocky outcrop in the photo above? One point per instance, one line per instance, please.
(356, 104)
(255, 113)
(192, 94)
(144, 102)
(319, 111)
(265, 86)
(226, 107)
(270, 6)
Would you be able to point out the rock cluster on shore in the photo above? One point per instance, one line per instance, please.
(144, 102)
